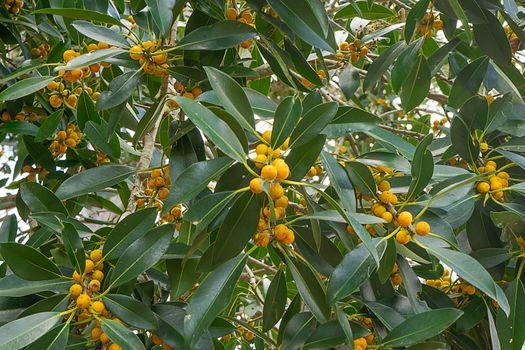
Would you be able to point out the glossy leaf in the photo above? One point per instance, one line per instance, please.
(25, 87)
(217, 36)
(312, 123)
(28, 263)
(121, 335)
(100, 33)
(134, 312)
(20, 333)
(275, 301)
(287, 115)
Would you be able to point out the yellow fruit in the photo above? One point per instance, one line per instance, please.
(156, 340)
(98, 275)
(114, 347)
(404, 218)
(492, 164)
(285, 144)
(231, 13)
(403, 237)
(77, 277)
(350, 229)
(269, 172)
(503, 175)
(276, 191)
(256, 185)
(312, 172)
(283, 171)
(385, 197)
(95, 333)
(483, 187)
(90, 265)
(281, 202)
(262, 239)
(83, 301)
(261, 149)
(159, 58)
(387, 216)
(498, 195)
(289, 238)
(267, 136)
(378, 210)
(489, 168)
(495, 185)
(68, 55)
(98, 307)
(280, 231)
(422, 228)
(55, 101)
(483, 147)
(94, 286)
(260, 160)
(384, 186)
(75, 290)
(438, 24)
(104, 338)
(396, 279)
(163, 193)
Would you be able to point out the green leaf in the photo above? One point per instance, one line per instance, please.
(120, 89)
(362, 178)
(404, 64)
(25, 87)
(90, 58)
(472, 272)
(416, 86)
(127, 231)
(275, 301)
(121, 335)
(23, 69)
(232, 97)
(97, 135)
(364, 11)
(142, 254)
(100, 33)
(78, 13)
(286, 117)
(22, 332)
(14, 286)
(55, 339)
(310, 288)
(28, 263)
(212, 297)
(301, 158)
(312, 123)
(203, 211)
(297, 330)
(237, 228)
(86, 111)
(468, 81)
(131, 311)
(511, 331)
(162, 13)
(421, 327)
(309, 24)
(214, 128)
(182, 275)
(92, 180)
(351, 272)
(349, 81)
(40, 199)
(217, 36)
(194, 179)
(440, 56)
(381, 64)
(148, 120)
(492, 40)
(49, 126)
(22, 128)
(74, 247)
(422, 167)
(39, 152)
(414, 16)
(395, 142)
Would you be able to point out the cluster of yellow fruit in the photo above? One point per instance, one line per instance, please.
(246, 17)
(496, 182)
(404, 235)
(395, 277)
(65, 139)
(20, 117)
(437, 123)
(13, 6)
(155, 339)
(360, 343)
(191, 92)
(70, 98)
(102, 158)
(445, 284)
(33, 172)
(151, 58)
(322, 75)
(243, 333)
(273, 170)
(354, 50)
(363, 342)
(424, 27)
(514, 41)
(41, 50)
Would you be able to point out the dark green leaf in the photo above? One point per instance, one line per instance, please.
(131, 311)
(376, 11)
(49, 126)
(217, 36)
(491, 38)
(416, 86)
(312, 123)
(14, 286)
(362, 178)
(468, 81)
(100, 33)
(162, 13)
(422, 167)
(349, 81)
(86, 110)
(120, 89)
(298, 330)
(121, 335)
(381, 64)
(28, 263)
(74, 247)
(275, 301)
(78, 13)
(20, 333)
(25, 87)
(286, 117)
(301, 158)
(55, 339)
(40, 199)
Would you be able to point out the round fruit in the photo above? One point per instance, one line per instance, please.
(269, 172)
(280, 231)
(77, 277)
(404, 218)
(403, 237)
(256, 185)
(95, 255)
(267, 136)
(94, 286)
(95, 333)
(276, 191)
(75, 290)
(261, 149)
(90, 265)
(422, 228)
(260, 160)
(98, 307)
(289, 238)
(483, 187)
(283, 171)
(104, 338)
(387, 216)
(83, 301)
(384, 186)
(281, 202)
(396, 279)
(114, 347)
